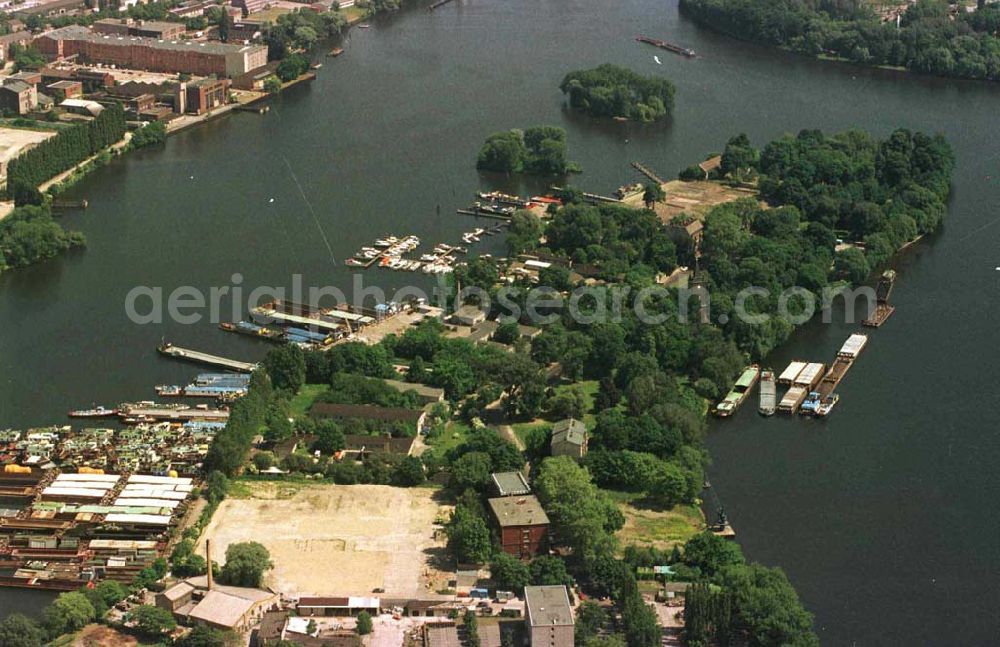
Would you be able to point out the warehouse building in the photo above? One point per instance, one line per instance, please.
(134, 52)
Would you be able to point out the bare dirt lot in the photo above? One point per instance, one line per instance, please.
(14, 140)
(337, 539)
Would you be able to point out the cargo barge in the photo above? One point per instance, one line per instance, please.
(882, 310)
(670, 47)
(792, 399)
(252, 330)
(768, 394)
(739, 393)
(791, 372)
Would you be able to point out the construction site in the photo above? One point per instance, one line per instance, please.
(342, 539)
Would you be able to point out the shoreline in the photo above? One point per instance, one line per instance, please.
(827, 58)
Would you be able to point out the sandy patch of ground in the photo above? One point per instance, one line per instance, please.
(692, 198)
(338, 539)
(15, 140)
(101, 636)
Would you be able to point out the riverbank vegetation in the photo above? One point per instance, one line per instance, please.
(929, 38)
(539, 150)
(30, 235)
(301, 31)
(612, 91)
(152, 134)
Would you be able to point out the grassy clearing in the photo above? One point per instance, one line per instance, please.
(524, 430)
(305, 397)
(455, 433)
(354, 14)
(284, 487)
(657, 528)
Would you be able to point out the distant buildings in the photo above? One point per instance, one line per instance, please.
(337, 606)
(135, 52)
(62, 90)
(425, 394)
(250, 6)
(523, 525)
(569, 438)
(54, 8)
(144, 28)
(548, 616)
(18, 97)
(16, 38)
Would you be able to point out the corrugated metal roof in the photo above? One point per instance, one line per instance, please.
(144, 519)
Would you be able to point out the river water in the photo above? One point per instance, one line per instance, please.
(884, 515)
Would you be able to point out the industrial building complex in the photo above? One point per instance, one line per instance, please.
(151, 54)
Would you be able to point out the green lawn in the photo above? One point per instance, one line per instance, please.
(305, 397)
(455, 433)
(658, 528)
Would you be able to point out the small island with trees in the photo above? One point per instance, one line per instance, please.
(612, 91)
(539, 150)
(923, 36)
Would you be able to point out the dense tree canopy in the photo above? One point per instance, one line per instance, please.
(612, 91)
(30, 235)
(245, 564)
(928, 40)
(69, 147)
(539, 150)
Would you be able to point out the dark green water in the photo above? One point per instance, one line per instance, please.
(884, 516)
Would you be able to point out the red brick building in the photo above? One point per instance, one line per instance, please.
(206, 94)
(523, 525)
(133, 52)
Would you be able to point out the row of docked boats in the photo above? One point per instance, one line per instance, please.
(810, 384)
(147, 411)
(809, 403)
(302, 337)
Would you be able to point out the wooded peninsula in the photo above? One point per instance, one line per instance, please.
(924, 37)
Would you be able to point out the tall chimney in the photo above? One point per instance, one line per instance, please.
(208, 559)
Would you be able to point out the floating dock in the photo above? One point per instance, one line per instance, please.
(204, 358)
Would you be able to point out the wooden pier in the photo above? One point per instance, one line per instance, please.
(204, 358)
(483, 214)
(648, 172)
(590, 197)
